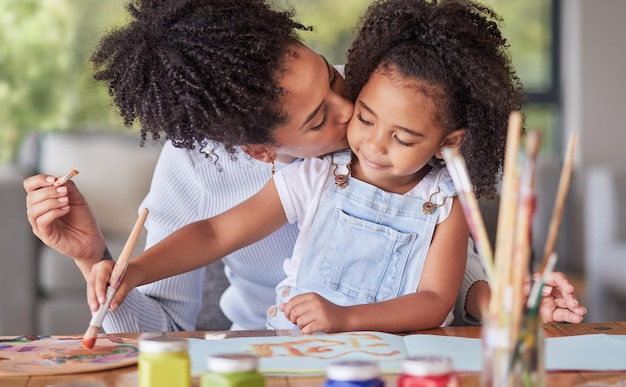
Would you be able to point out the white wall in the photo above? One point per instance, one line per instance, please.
(594, 61)
(594, 91)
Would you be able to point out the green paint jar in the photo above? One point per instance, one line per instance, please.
(232, 370)
(164, 362)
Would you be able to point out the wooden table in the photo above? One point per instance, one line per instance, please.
(127, 376)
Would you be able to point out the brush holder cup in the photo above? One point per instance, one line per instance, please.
(513, 359)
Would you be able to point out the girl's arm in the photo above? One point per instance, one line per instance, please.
(195, 245)
(426, 308)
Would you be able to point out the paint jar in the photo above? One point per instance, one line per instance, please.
(164, 362)
(232, 370)
(353, 373)
(428, 371)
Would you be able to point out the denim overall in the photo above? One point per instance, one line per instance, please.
(370, 245)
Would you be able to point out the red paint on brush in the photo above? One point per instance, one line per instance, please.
(62, 180)
(89, 343)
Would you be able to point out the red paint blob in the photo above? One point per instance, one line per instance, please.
(89, 343)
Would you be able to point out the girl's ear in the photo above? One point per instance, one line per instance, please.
(452, 140)
(265, 153)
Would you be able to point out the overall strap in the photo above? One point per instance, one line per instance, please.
(341, 161)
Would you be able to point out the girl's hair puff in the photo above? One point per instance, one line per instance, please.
(199, 71)
(453, 45)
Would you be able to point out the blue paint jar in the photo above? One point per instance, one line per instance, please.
(353, 373)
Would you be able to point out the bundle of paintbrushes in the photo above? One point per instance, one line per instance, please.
(512, 329)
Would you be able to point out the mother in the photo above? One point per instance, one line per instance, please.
(212, 77)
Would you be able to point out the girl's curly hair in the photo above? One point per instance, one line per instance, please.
(199, 71)
(456, 46)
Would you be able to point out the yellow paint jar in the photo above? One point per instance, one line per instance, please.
(164, 362)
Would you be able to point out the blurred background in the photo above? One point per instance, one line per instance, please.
(46, 81)
(569, 54)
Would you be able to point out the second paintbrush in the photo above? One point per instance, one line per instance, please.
(64, 179)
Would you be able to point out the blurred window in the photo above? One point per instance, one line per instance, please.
(530, 26)
(47, 81)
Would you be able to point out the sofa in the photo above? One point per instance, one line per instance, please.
(605, 242)
(43, 292)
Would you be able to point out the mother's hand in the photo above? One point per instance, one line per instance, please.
(62, 219)
(559, 302)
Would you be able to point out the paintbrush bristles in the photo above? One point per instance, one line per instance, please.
(90, 337)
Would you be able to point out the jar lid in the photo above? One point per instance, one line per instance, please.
(163, 344)
(427, 365)
(353, 370)
(227, 363)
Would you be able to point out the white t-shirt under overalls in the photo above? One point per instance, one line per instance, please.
(357, 244)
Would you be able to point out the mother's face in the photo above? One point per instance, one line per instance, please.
(317, 113)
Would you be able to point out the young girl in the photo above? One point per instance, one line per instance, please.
(382, 241)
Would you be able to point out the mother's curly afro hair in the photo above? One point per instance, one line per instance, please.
(199, 71)
(454, 45)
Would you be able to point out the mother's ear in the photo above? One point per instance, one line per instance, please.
(263, 153)
(452, 140)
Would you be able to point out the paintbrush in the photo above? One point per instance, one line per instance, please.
(532, 305)
(523, 222)
(460, 176)
(90, 336)
(564, 183)
(500, 305)
(65, 179)
(528, 332)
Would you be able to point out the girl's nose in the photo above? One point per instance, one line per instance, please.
(375, 141)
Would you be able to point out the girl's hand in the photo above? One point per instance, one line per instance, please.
(313, 313)
(99, 281)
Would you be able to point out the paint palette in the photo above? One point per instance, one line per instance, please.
(56, 355)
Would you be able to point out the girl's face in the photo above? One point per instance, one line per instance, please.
(393, 132)
(317, 112)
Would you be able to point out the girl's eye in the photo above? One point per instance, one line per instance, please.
(401, 142)
(363, 121)
(323, 123)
